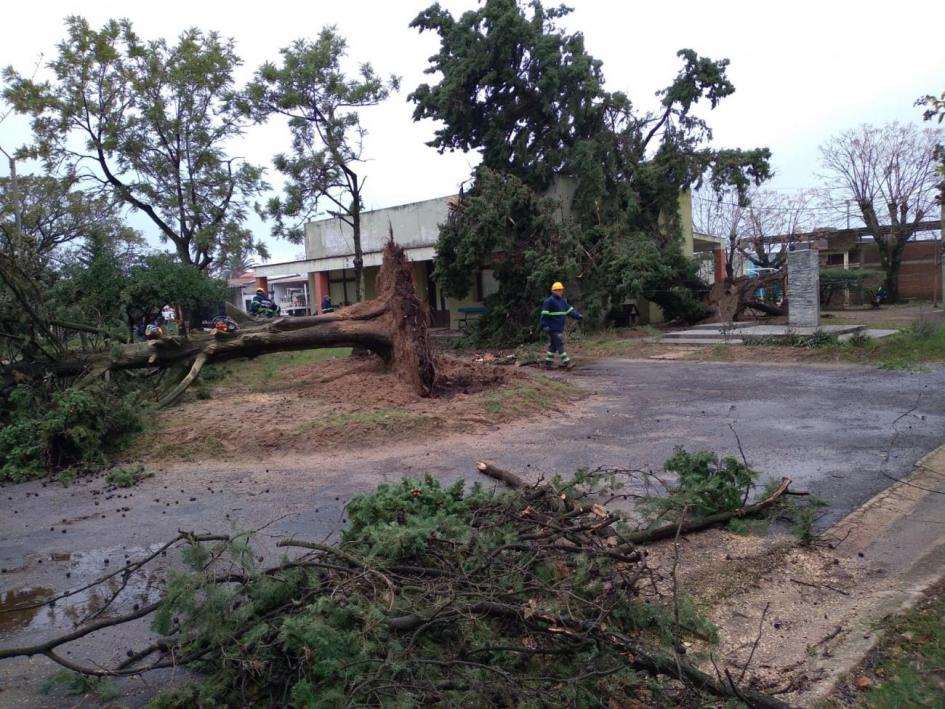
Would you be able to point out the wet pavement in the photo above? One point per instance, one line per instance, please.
(842, 432)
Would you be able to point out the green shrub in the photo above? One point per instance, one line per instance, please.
(50, 432)
(819, 338)
(859, 339)
(124, 477)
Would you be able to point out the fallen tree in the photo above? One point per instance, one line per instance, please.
(433, 596)
(733, 299)
(393, 326)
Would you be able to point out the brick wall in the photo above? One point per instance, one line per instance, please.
(920, 275)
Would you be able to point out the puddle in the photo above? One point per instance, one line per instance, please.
(20, 612)
(12, 619)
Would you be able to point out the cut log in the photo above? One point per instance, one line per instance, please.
(393, 326)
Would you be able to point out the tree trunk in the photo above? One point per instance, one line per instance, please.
(393, 326)
(893, 266)
(730, 299)
(356, 235)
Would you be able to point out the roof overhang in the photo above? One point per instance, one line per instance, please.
(337, 263)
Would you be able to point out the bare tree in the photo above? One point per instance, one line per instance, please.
(760, 229)
(889, 172)
(773, 222)
(935, 110)
(721, 216)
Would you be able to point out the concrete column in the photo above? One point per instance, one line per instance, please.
(846, 267)
(804, 288)
(321, 290)
(719, 264)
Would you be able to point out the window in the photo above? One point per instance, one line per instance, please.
(835, 259)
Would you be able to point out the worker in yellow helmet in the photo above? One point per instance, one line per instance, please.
(553, 311)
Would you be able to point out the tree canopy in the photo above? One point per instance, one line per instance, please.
(321, 102)
(545, 120)
(147, 123)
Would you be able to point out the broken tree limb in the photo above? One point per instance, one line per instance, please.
(668, 530)
(570, 604)
(181, 387)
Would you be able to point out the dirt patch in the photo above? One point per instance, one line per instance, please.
(350, 401)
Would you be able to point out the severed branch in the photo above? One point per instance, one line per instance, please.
(503, 476)
(699, 523)
(174, 394)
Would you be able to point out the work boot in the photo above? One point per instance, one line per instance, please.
(568, 366)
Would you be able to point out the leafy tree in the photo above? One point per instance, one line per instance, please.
(146, 123)
(234, 264)
(41, 221)
(159, 279)
(890, 174)
(321, 102)
(528, 96)
(504, 223)
(513, 86)
(935, 107)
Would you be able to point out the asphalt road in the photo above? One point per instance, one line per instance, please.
(844, 433)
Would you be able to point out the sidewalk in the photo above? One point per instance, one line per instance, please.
(823, 604)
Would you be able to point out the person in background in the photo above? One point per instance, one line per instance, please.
(327, 307)
(553, 312)
(262, 305)
(155, 330)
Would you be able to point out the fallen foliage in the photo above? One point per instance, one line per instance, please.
(534, 595)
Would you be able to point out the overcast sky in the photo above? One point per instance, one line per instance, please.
(803, 70)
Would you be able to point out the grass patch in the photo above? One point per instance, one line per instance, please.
(268, 371)
(907, 667)
(386, 419)
(624, 342)
(907, 349)
(534, 395)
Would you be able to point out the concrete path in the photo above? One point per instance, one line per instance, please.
(841, 432)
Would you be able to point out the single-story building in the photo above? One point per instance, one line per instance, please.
(329, 253)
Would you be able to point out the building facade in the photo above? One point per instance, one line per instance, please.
(328, 267)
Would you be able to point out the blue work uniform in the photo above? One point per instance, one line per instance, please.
(553, 312)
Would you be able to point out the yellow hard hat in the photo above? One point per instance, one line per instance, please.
(557, 285)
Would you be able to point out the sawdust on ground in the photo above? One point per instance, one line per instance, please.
(356, 400)
(776, 603)
(793, 619)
